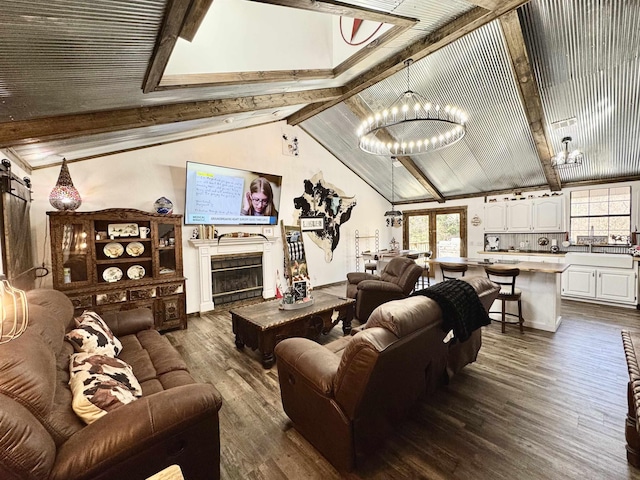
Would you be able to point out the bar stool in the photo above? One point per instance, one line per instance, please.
(425, 271)
(452, 268)
(371, 266)
(506, 278)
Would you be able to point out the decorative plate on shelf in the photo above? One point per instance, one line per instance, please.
(135, 249)
(135, 272)
(112, 274)
(123, 229)
(113, 249)
(543, 241)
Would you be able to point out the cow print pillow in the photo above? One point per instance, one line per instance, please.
(92, 335)
(100, 384)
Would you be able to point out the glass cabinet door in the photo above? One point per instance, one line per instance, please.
(74, 255)
(167, 258)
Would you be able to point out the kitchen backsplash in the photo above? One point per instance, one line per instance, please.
(542, 242)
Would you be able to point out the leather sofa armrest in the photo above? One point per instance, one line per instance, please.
(357, 277)
(130, 430)
(127, 322)
(314, 363)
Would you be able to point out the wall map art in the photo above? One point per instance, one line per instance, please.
(327, 202)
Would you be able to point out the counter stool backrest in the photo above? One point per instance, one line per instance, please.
(448, 268)
(505, 277)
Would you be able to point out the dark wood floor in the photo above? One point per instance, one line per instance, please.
(534, 406)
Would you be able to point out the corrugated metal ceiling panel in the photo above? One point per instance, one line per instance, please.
(586, 58)
(335, 129)
(105, 143)
(475, 74)
(100, 49)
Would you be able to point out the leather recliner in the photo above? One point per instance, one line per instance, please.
(347, 396)
(396, 281)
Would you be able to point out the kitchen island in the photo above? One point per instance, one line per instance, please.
(540, 283)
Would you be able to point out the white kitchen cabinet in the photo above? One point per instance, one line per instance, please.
(548, 214)
(544, 215)
(520, 216)
(579, 281)
(618, 285)
(495, 217)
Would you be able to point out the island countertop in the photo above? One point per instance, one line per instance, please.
(541, 267)
(540, 283)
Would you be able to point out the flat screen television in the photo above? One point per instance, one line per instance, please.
(230, 196)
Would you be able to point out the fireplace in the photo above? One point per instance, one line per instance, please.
(236, 277)
(242, 249)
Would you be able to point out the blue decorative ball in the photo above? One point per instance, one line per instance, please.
(163, 205)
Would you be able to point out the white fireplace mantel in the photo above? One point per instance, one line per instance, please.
(227, 246)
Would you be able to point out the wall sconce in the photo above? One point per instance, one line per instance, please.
(64, 195)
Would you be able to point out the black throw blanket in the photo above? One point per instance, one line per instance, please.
(462, 310)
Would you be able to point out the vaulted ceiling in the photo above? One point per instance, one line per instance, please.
(82, 79)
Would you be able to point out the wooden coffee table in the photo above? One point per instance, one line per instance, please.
(263, 325)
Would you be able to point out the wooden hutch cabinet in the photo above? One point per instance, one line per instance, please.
(119, 259)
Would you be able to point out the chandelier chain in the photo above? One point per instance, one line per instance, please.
(393, 196)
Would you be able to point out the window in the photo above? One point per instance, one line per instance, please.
(601, 212)
(443, 231)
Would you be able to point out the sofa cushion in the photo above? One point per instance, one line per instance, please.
(92, 335)
(405, 316)
(100, 384)
(105, 365)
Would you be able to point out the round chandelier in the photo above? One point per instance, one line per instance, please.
(416, 125)
(564, 158)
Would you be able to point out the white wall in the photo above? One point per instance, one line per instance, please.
(136, 179)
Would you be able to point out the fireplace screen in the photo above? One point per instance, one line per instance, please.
(236, 277)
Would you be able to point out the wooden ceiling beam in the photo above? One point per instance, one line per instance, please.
(332, 7)
(449, 33)
(486, 4)
(167, 38)
(198, 80)
(156, 80)
(361, 110)
(197, 11)
(529, 94)
(69, 126)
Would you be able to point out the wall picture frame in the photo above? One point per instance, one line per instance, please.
(311, 224)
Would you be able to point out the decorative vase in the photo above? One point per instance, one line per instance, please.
(163, 205)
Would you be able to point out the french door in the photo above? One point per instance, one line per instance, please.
(441, 231)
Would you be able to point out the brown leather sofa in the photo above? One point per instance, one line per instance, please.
(174, 422)
(345, 398)
(396, 281)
